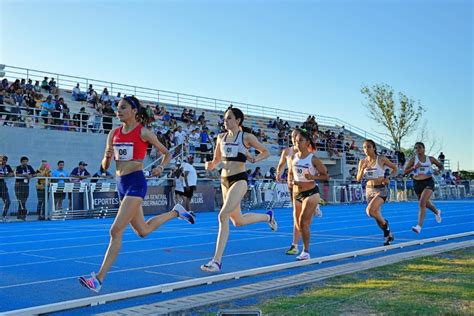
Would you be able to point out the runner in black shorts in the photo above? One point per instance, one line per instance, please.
(421, 166)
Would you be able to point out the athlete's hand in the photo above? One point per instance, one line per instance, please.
(363, 164)
(209, 165)
(278, 177)
(418, 165)
(386, 181)
(109, 153)
(156, 172)
(308, 176)
(252, 159)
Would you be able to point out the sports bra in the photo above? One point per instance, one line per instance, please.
(302, 167)
(129, 146)
(233, 151)
(375, 172)
(425, 168)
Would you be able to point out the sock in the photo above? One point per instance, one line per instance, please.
(386, 229)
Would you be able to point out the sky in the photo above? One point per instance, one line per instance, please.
(313, 56)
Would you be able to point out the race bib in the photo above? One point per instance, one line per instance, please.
(123, 151)
(424, 171)
(231, 150)
(370, 174)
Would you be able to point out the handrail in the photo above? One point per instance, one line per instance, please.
(188, 100)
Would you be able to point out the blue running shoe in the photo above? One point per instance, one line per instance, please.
(92, 283)
(183, 214)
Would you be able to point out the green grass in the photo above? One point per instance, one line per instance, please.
(439, 285)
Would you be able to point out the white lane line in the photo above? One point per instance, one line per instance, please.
(93, 263)
(32, 255)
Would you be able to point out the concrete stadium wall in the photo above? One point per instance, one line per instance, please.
(38, 144)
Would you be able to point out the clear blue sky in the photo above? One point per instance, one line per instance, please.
(309, 55)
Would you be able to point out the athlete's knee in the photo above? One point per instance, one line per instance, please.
(116, 232)
(223, 216)
(236, 222)
(422, 204)
(369, 211)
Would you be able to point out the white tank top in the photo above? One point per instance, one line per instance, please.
(375, 172)
(425, 168)
(234, 151)
(302, 167)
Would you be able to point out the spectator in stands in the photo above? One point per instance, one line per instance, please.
(271, 174)
(441, 158)
(37, 87)
(108, 115)
(203, 149)
(104, 97)
(59, 173)
(45, 85)
(92, 98)
(101, 175)
(47, 109)
(179, 136)
(117, 99)
(29, 85)
(81, 119)
(5, 83)
(173, 121)
(80, 173)
(24, 172)
(184, 115)
(58, 113)
(257, 174)
(5, 171)
(189, 182)
(52, 86)
(168, 139)
(194, 141)
(43, 171)
(220, 121)
(77, 95)
(166, 119)
(14, 86)
(202, 119)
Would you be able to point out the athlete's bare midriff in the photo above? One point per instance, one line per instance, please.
(229, 168)
(126, 167)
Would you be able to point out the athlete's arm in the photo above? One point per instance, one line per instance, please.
(360, 171)
(322, 170)
(437, 163)
(210, 165)
(252, 141)
(109, 151)
(391, 165)
(281, 163)
(151, 138)
(409, 167)
(290, 173)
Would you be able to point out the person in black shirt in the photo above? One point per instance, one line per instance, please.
(23, 174)
(5, 171)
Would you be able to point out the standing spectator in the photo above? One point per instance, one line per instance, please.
(441, 158)
(43, 171)
(80, 173)
(5, 171)
(179, 136)
(202, 119)
(189, 181)
(203, 145)
(47, 108)
(59, 173)
(24, 172)
(194, 139)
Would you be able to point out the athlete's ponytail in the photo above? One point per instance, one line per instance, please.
(239, 115)
(144, 116)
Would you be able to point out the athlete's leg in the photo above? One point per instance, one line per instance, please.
(424, 199)
(142, 228)
(305, 218)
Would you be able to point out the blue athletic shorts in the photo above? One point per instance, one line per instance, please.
(132, 184)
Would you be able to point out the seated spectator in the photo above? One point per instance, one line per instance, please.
(14, 86)
(29, 85)
(52, 86)
(47, 109)
(37, 87)
(257, 174)
(166, 119)
(77, 95)
(45, 84)
(107, 118)
(104, 97)
(92, 98)
(184, 115)
(271, 174)
(202, 119)
(5, 84)
(101, 176)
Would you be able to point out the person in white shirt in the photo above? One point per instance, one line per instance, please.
(180, 136)
(190, 182)
(194, 140)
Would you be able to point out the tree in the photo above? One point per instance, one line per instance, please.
(401, 120)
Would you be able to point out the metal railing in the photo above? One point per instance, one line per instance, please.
(185, 100)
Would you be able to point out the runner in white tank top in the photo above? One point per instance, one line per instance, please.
(421, 166)
(305, 169)
(376, 192)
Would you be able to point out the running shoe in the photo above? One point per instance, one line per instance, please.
(211, 266)
(318, 212)
(303, 256)
(272, 222)
(416, 229)
(183, 214)
(293, 250)
(92, 283)
(388, 239)
(438, 217)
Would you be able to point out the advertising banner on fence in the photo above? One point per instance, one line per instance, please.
(203, 198)
(108, 200)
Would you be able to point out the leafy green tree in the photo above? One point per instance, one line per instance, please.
(400, 117)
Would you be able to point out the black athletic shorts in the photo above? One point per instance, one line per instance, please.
(420, 185)
(300, 196)
(189, 191)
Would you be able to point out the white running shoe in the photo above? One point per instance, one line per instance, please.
(183, 214)
(318, 212)
(438, 217)
(416, 229)
(272, 222)
(211, 266)
(303, 256)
